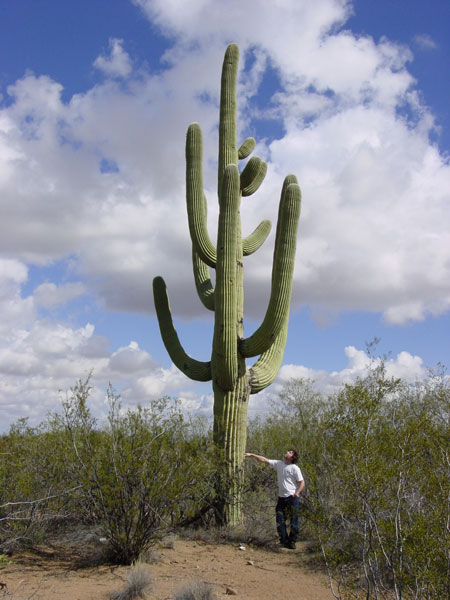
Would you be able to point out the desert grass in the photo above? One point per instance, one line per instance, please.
(196, 590)
(138, 585)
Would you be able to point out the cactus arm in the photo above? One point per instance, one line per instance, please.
(287, 182)
(228, 153)
(195, 199)
(202, 280)
(253, 175)
(195, 369)
(256, 239)
(246, 148)
(282, 271)
(264, 371)
(225, 339)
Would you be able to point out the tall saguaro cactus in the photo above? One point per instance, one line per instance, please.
(232, 381)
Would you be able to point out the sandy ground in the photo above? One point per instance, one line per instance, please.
(249, 573)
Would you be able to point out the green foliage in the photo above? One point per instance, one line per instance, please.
(141, 474)
(376, 462)
(4, 560)
(145, 471)
(376, 459)
(33, 486)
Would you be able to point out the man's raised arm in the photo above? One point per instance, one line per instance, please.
(262, 459)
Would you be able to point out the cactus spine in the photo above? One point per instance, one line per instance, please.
(232, 381)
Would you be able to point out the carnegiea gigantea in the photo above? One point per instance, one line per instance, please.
(232, 381)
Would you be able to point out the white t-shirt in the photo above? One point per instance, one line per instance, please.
(289, 476)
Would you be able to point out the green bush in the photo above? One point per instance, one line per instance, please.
(376, 460)
(143, 473)
(34, 488)
(375, 456)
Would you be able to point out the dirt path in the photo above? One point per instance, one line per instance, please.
(252, 573)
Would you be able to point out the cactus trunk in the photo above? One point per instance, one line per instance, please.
(230, 434)
(231, 380)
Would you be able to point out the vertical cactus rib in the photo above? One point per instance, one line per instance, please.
(228, 153)
(230, 419)
(194, 369)
(266, 368)
(282, 271)
(246, 148)
(225, 363)
(202, 280)
(195, 198)
(256, 239)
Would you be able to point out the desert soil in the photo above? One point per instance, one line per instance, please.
(244, 572)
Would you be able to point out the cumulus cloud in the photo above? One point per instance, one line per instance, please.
(117, 63)
(17, 312)
(375, 189)
(49, 295)
(406, 366)
(41, 358)
(373, 232)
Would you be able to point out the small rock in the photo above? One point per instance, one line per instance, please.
(231, 591)
(241, 547)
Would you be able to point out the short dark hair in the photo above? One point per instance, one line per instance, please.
(295, 455)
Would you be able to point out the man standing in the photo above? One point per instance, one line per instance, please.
(290, 486)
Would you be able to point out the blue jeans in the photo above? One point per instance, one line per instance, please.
(287, 510)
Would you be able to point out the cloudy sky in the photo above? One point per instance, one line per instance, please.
(95, 100)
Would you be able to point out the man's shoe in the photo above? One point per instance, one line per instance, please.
(290, 545)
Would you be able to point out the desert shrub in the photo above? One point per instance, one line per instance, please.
(385, 460)
(376, 461)
(139, 475)
(138, 585)
(146, 470)
(196, 590)
(34, 488)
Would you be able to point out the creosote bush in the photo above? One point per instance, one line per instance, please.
(376, 460)
(142, 473)
(375, 456)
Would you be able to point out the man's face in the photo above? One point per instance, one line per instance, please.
(288, 456)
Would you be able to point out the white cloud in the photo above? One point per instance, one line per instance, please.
(17, 312)
(375, 190)
(425, 41)
(49, 295)
(41, 357)
(373, 231)
(117, 63)
(131, 359)
(409, 368)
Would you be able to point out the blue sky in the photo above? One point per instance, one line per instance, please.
(95, 100)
